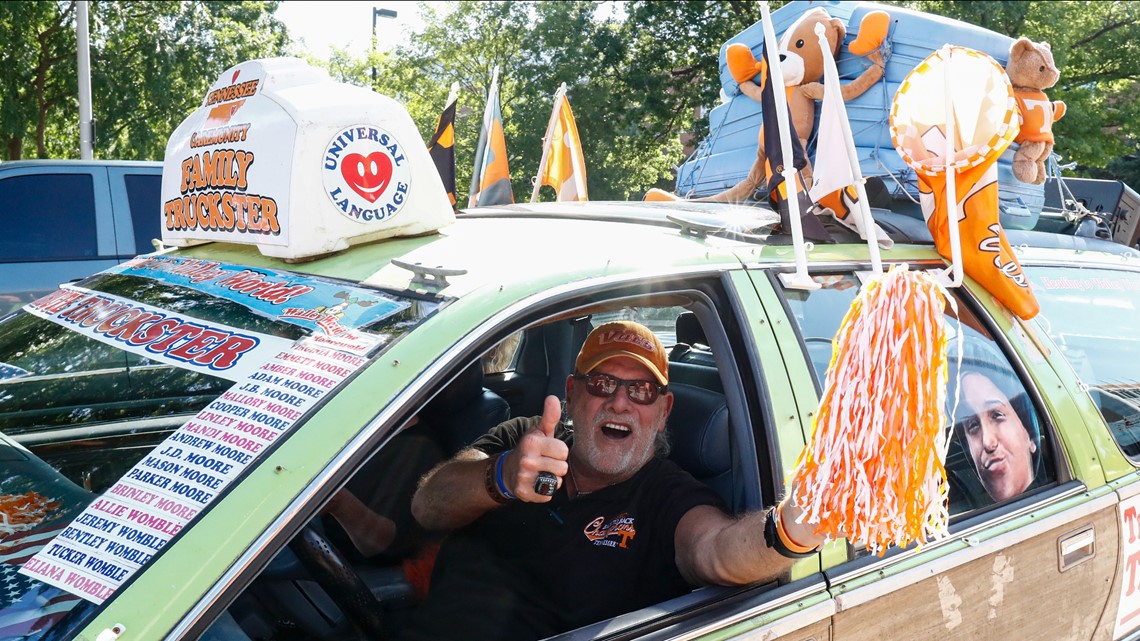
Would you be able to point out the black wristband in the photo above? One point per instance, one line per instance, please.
(773, 540)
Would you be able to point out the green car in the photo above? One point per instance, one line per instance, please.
(176, 431)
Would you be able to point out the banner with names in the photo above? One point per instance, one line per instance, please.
(122, 529)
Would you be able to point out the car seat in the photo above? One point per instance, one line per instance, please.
(701, 440)
(464, 410)
(692, 345)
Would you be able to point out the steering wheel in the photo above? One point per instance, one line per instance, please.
(338, 578)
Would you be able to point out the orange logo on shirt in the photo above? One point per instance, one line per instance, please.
(601, 532)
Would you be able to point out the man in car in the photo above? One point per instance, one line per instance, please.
(617, 526)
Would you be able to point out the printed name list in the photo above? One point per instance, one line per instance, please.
(121, 530)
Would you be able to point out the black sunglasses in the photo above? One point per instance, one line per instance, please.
(605, 386)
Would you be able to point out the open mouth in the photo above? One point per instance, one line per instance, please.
(616, 431)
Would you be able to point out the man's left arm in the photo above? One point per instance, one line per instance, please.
(715, 548)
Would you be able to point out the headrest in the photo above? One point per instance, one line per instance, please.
(698, 431)
(466, 387)
(689, 330)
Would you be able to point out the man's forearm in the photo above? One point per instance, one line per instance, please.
(742, 556)
(714, 548)
(453, 494)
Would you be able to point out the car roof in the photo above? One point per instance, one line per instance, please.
(13, 164)
(562, 242)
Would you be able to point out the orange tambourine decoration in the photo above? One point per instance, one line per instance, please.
(984, 124)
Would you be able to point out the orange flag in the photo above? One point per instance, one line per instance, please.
(564, 167)
(491, 179)
(985, 119)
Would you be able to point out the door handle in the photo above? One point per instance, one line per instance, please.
(1075, 548)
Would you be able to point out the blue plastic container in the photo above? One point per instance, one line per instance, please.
(726, 156)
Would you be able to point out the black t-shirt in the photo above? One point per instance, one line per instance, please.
(528, 570)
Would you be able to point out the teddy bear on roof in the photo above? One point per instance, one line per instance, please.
(1031, 70)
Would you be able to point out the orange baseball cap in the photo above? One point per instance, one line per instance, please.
(624, 338)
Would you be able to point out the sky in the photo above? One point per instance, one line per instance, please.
(348, 23)
(342, 23)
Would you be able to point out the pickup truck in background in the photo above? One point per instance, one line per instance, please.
(66, 219)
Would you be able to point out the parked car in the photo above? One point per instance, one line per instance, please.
(459, 353)
(66, 219)
(175, 428)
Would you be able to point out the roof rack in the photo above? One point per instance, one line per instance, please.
(751, 223)
(701, 219)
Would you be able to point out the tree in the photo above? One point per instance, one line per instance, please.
(36, 62)
(156, 60)
(151, 62)
(635, 82)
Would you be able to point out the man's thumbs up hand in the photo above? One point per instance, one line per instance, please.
(538, 451)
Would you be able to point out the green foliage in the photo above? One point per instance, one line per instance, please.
(634, 81)
(639, 74)
(1096, 45)
(39, 60)
(151, 62)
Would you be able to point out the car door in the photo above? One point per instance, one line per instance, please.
(1088, 309)
(743, 391)
(137, 207)
(1034, 564)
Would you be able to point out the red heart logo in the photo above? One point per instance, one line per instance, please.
(367, 175)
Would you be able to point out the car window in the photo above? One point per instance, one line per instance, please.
(36, 209)
(503, 357)
(1103, 348)
(131, 399)
(369, 521)
(998, 449)
(143, 197)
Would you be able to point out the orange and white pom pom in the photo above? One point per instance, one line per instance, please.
(873, 469)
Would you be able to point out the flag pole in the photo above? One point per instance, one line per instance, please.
(546, 141)
(484, 137)
(453, 95)
(952, 276)
(492, 95)
(831, 75)
(801, 279)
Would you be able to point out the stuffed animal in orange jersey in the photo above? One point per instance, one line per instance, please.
(1031, 70)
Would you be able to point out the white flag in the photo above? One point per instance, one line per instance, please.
(835, 169)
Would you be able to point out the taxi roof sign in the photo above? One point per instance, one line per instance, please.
(281, 156)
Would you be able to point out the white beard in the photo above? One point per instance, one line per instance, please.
(601, 459)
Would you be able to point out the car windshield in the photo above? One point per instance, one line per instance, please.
(129, 401)
(1103, 348)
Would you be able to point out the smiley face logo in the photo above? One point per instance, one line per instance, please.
(366, 173)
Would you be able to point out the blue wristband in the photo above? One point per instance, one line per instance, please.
(499, 476)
